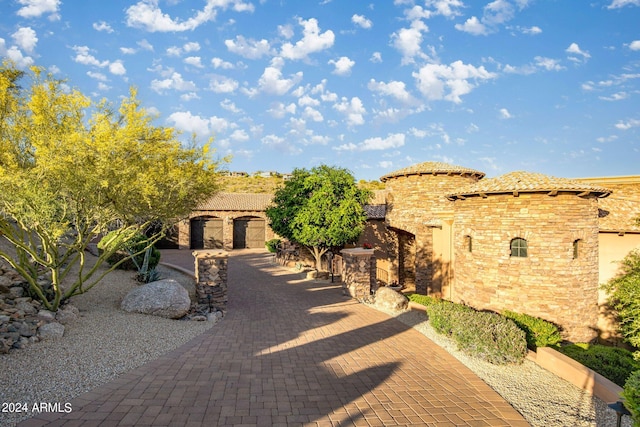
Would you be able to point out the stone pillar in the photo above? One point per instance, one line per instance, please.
(358, 272)
(211, 277)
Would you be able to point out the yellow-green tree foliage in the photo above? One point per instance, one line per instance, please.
(71, 169)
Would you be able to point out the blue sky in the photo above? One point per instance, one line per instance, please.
(549, 86)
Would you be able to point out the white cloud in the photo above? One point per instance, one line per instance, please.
(83, 56)
(312, 41)
(615, 97)
(342, 66)
(35, 8)
(220, 63)
(385, 164)
(279, 110)
(280, 144)
(395, 140)
(352, 109)
(251, 49)
(97, 76)
(408, 41)
(175, 82)
(188, 123)
(128, 50)
(450, 82)
(239, 135)
(147, 15)
(532, 30)
(574, 50)
(25, 38)
(102, 26)
(498, 12)
(15, 55)
(221, 84)
(117, 68)
(312, 114)
(447, 8)
(194, 61)
(632, 123)
(505, 114)
(230, 106)
(548, 64)
(361, 21)
(376, 57)
(286, 31)
(615, 4)
(271, 81)
(472, 26)
(395, 89)
(189, 96)
(634, 45)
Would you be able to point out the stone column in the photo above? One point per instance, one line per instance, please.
(211, 277)
(358, 272)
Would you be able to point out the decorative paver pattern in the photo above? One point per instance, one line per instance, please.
(294, 352)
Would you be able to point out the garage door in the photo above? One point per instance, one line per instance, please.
(248, 233)
(206, 233)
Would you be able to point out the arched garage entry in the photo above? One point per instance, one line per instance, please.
(206, 232)
(248, 232)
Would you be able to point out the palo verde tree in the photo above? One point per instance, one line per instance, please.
(72, 169)
(319, 209)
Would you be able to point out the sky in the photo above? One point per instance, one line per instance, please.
(549, 86)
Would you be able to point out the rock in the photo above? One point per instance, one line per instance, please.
(5, 345)
(164, 298)
(26, 307)
(16, 291)
(46, 315)
(199, 318)
(51, 330)
(389, 299)
(66, 315)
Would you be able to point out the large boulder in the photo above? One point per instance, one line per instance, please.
(389, 299)
(164, 298)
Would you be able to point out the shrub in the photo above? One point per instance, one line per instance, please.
(272, 245)
(136, 244)
(490, 336)
(624, 291)
(539, 332)
(613, 363)
(425, 300)
(444, 315)
(631, 395)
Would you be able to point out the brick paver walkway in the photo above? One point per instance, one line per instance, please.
(293, 352)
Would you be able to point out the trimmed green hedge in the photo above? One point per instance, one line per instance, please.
(272, 245)
(614, 363)
(539, 332)
(631, 396)
(485, 335)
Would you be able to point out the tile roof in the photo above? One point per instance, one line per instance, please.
(527, 182)
(619, 211)
(432, 168)
(237, 202)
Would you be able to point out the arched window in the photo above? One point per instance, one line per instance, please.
(468, 243)
(518, 247)
(576, 248)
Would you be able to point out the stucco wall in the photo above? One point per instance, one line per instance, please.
(548, 283)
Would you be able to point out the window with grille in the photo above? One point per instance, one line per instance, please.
(518, 247)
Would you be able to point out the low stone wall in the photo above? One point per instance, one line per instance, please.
(358, 272)
(211, 277)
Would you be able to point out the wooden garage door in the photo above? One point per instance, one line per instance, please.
(248, 233)
(206, 233)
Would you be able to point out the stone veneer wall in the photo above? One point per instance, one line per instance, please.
(549, 283)
(416, 204)
(211, 277)
(358, 272)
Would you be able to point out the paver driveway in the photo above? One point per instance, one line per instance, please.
(295, 352)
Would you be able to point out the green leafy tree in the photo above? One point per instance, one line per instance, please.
(624, 297)
(319, 209)
(72, 169)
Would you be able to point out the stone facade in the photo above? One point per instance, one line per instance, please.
(549, 282)
(358, 272)
(417, 205)
(211, 277)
